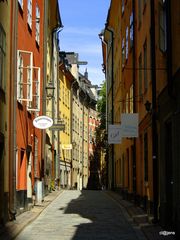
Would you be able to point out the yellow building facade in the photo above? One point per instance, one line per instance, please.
(6, 103)
(65, 136)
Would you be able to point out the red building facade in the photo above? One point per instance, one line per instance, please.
(29, 100)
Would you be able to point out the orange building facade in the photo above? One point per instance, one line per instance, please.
(29, 99)
(141, 64)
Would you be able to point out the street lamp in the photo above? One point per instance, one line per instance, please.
(148, 106)
(50, 90)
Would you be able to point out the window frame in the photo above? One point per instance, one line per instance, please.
(20, 80)
(35, 92)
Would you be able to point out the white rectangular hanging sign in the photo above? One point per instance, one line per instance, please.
(114, 134)
(129, 124)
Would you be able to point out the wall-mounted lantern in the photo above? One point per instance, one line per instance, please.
(148, 106)
(50, 90)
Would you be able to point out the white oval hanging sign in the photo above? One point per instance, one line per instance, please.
(42, 122)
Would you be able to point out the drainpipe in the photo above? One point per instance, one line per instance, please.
(43, 136)
(112, 97)
(101, 36)
(13, 102)
(154, 126)
(134, 98)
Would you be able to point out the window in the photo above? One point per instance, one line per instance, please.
(24, 75)
(127, 103)
(140, 75)
(34, 105)
(162, 28)
(131, 30)
(122, 6)
(29, 13)
(123, 52)
(127, 33)
(146, 157)
(37, 24)
(131, 99)
(145, 67)
(2, 57)
(20, 88)
(20, 3)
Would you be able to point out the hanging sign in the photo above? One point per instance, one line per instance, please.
(67, 146)
(114, 134)
(42, 122)
(129, 124)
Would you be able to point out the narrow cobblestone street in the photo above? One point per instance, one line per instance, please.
(82, 215)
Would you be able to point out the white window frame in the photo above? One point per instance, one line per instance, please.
(21, 83)
(29, 13)
(37, 24)
(35, 92)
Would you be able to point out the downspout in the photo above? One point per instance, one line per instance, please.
(101, 36)
(112, 97)
(45, 27)
(154, 126)
(13, 103)
(134, 99)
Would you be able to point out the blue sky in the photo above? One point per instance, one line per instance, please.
(83, 20)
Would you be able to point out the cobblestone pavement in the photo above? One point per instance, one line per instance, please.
(82, 215)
